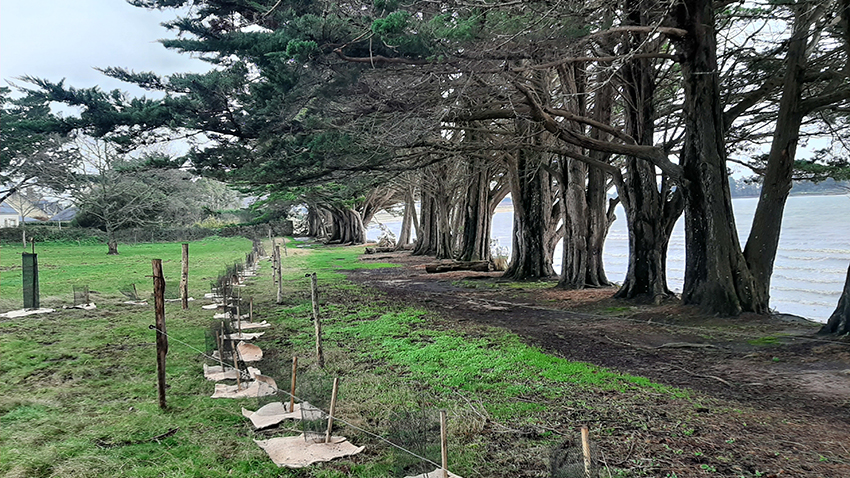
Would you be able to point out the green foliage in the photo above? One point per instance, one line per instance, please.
(300, 50)
(391, 25)
(449, 26)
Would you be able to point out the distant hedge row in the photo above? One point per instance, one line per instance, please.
(78, 235)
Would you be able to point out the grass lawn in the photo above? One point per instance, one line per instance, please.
(78, 388)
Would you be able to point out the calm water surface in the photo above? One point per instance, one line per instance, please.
(810, 267)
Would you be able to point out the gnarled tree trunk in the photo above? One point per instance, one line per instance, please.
(315, 228)
(477, 219)
(531, 194)
(111, 242)
(346, 226)
(716, 274)
(763, 241)
(651, 213)
(839, 321)
(426, 239)
(583, 194)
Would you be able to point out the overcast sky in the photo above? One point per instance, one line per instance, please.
(55, 39)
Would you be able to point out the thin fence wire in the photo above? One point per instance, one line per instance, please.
(301, 400)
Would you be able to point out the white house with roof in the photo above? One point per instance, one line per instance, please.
(9, 217)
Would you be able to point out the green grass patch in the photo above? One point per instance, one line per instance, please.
(63, 266)
(766, 341)
(78, 391)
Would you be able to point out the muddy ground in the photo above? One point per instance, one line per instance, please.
(773, 398)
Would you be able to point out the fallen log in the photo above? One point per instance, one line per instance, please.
(475, 266)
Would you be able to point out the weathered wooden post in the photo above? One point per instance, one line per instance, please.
(444, 444)
(585, 449)
(332, 410)
(161, 337)
(283, 241)
(184, 278)
(314, 293)
(279, 275)
(219, 338)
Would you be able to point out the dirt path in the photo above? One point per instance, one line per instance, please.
(774, 366)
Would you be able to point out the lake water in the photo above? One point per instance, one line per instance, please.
(810, 267)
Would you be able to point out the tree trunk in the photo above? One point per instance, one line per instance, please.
(839, 321)
(650, 213)
(426, 239)
(347, 226)
(314, 222)
(111, 242)
(531, 194)
(406, 225)
(443, 202)
(599, 218)
(717, 278)
(583, 189)
(763, 241)
(477, 220)
(574, 268)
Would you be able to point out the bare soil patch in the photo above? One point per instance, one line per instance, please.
(770, 397)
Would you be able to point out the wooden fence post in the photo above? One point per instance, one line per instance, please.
(279, 275)
(292, 394)
(585, 448)
(314, 293)
(444, 444)
(161, 337)
(332, 410)
(184, 278)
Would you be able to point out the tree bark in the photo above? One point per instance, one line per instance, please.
(763, 241)
(585, 222)
(346, 226)
(839, 321)
(651, 213)
(314, 222)
(426, 240)
(717, 278)
(406, 223)
(599, 219)
(477, 219)
(111, 242)
(443, 197)
(531, 194)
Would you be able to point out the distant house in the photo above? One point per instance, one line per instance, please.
(65, 215)
(8, 216)
(27, 211)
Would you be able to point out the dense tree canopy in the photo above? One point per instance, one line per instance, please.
(345, 106)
